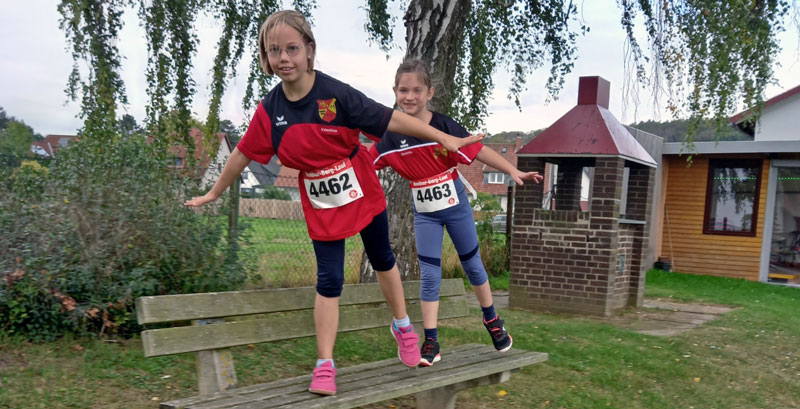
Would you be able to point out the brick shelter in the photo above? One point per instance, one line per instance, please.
(589, 261)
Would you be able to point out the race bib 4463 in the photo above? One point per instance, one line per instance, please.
(434, 193)
(333, 186)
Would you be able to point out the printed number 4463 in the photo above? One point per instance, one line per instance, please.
(433, 193)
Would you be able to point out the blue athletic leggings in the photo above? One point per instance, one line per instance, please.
(330, 256)
(429, 233)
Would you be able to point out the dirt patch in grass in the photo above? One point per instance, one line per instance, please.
(667, 318)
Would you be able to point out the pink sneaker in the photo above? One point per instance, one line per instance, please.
(407, 348)
(323, 380)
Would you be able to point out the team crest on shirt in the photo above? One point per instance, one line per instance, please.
(327, 109)
(439, 151)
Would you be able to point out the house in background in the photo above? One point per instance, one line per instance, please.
(208, 168)
(486, 179)
(735, 211)
(257, 176)
(51, 144)
(288, 181)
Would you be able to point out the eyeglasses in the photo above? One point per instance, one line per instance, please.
(291, 51)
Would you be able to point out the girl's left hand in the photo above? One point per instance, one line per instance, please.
(519, 176)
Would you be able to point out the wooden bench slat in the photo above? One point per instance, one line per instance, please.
(298, 386)
(263, 388)
(384, 391)
(167, 341)
(393, 373)
(185, 307)
(371, 383)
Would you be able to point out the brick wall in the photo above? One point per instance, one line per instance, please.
(567, 260)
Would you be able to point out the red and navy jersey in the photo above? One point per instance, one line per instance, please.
(315, 132)
(415, 158)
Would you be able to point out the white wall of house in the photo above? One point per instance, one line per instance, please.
(215, 167)
(248, 179)
(780, 122)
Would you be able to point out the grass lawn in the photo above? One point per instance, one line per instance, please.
(749, 358)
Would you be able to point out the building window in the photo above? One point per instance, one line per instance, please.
(505, 149)
(732, 197)
(178, 162)
(494, 178)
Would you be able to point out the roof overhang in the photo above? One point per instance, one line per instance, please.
(588, 156)
(744, 115)
(677, 148)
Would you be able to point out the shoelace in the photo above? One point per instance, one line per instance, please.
(427, 347)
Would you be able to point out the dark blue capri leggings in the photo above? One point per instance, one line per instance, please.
(429, 233)
(330, 256)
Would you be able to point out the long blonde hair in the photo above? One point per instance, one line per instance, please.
(293, 19)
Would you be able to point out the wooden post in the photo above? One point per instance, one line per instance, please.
(233, 219)
(215, 369)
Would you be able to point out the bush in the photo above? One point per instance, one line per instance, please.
(269, 192)
(105, 226)
(492, 245)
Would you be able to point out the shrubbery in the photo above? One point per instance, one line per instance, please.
(102, 226)
(492, 245)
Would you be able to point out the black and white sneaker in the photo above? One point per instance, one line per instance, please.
(430, 352)
(500, 338)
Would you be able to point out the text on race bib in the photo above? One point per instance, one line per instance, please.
(434, 193)
(334, 186)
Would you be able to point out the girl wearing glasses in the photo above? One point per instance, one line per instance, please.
(312, 122)
(440, 201)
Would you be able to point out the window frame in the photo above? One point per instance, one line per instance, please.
(495, 175)
(713, 164)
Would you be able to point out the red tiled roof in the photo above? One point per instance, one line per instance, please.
(588, 129)
(52, 143)
(287, 177)
(772, 101)
(180, 151)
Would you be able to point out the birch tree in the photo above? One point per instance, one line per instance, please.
(707, 57)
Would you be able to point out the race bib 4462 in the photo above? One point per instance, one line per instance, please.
(333, 186)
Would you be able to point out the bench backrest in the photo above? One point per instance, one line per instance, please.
(247, 317)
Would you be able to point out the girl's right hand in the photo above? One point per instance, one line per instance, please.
(453, 143)
(201, 200)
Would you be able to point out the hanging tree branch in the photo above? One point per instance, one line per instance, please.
(711, 55)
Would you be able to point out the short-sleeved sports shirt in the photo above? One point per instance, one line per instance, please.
(316, 132)
(415, 158)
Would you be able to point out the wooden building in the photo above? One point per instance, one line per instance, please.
(735, 211)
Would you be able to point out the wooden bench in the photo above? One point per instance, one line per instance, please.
(226, 319)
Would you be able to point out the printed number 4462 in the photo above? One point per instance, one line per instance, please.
(331, 186)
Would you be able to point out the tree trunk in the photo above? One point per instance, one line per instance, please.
(434, 34)
(401, 228)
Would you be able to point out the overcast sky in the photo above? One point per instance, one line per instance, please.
(35, 64)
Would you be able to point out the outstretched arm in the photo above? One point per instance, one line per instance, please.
(233, 168)
(497, 161)
(408, 125)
